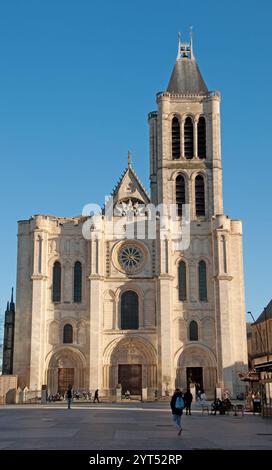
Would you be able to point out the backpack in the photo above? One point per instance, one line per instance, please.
(179, 403)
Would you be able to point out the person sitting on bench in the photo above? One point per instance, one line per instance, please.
(218, 405)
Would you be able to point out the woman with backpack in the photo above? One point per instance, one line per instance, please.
(177, 406)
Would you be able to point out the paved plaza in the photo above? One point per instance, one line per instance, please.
(144, 426)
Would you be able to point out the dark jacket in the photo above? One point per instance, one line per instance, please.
(188, 398)
(70, 393)
(176, 411)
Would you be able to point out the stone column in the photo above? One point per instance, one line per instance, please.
(223, 314)
(195, 139)
(192, 278)
(96, 316)
(165, 362)
(182, 137)
(216, 156)
(67, 282)
(39, 299)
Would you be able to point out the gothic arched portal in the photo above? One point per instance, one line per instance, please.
(131, 362)
(196, 364)
(67, 366)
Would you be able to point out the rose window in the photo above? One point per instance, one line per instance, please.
(131, 258)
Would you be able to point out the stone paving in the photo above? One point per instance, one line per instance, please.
(132, 426)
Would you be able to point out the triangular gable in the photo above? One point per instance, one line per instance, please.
(130, 187)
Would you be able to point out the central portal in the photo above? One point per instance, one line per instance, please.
(195, 376)
(130, 377)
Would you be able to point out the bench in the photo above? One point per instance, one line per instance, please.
(238, 409)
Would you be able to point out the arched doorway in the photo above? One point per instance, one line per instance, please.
(131, 362)
(67, 366)
(197, 365)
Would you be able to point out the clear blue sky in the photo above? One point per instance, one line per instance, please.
(77, 80)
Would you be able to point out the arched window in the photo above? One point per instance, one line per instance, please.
(193, 331)
(180, 193)
(202, 281)
(182, 282)
(201, 138)
(68, 333)
(175, 138)
(56, 282)
(77, 282)
(188, 138)
(199, 195)
(129, 310)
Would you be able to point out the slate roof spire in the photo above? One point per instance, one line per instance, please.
(186, 77)
(12, 305)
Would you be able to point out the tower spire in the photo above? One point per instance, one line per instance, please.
(11, 305)
(179, 44)
(191, 43)
(129, 159)
(186, 77)
(185, 49)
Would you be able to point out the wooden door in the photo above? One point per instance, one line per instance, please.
(130, 377)
(65, 378)
(195, 376)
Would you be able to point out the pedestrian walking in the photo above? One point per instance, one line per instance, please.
(96, 396)
(177, 406)
(203, 398)
(188, 398)
(69, 396)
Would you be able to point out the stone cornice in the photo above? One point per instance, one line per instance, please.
(165, 277)
(38, 277)
(130, 333)
(189, 96)
(223, 277)
(96, 277)
(128, 279)
(185, 164)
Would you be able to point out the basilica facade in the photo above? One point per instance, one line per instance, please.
(105, 310)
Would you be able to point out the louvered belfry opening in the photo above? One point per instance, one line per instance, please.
(188, 138)
(180, 193)
(199, 196)
(175, 138)
(201, 138)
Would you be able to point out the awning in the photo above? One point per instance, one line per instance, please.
(249, 376)
(266, 365)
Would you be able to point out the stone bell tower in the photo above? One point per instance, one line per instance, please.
(208, 288)
(185, 136)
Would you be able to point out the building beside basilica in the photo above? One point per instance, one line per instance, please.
(139, 312)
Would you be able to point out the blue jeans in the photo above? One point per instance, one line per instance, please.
(177, 420)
